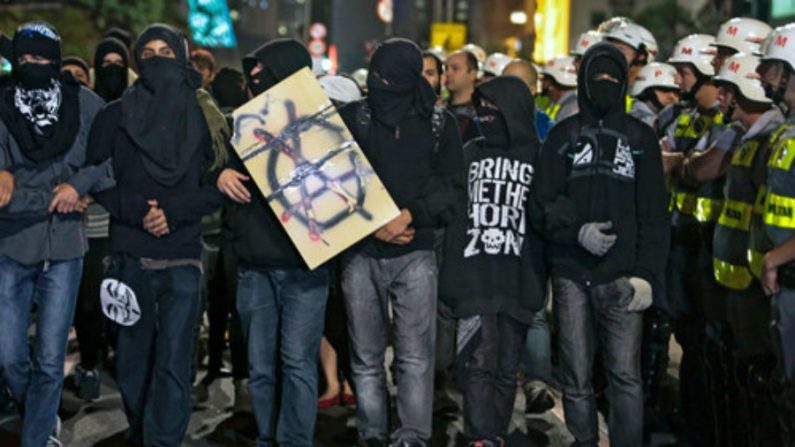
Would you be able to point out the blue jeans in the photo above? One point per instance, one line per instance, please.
(282, 312)
(410, 282)
(153, 357)
(36, 386)
(585, 321)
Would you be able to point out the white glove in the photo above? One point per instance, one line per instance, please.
(593, 239)
(642, 298)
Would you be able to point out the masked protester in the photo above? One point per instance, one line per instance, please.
(110, 80)
(281, 303)
(78, 68)
(492, 274)
(416, 151)
(599, 186)
(111, 62)
(44, 122)
(166, 140)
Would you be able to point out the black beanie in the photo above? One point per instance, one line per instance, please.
(37, 39)
(77, 62)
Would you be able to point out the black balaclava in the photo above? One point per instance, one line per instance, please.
(228, 88)
(160, 112)
(41, 107)
(598, 98)
(395, 85)
(280, 58)
(506, 113)
(76, 62)
(110, 81)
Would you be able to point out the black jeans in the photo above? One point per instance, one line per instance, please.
(490, 383)
(222, 314)
(153, 357)
(89, 320)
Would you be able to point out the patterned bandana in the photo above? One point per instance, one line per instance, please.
(39, 106)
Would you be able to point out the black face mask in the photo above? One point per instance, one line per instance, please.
(111, 81)
(262, 81)
(158, 70)
(605, 96)
(36, 76)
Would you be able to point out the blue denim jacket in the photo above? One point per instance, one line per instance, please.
(28, 233)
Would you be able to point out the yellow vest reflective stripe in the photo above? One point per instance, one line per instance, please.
(629, 102)
(736, 215)
(552, 111)
(759, 205)
(755, 260)
(780, 211)
(707, 210)
(744, 155)
(736, 277)
(783, 155)
(685, 202)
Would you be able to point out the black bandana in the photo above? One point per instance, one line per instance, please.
(160, 112)
(395, 84)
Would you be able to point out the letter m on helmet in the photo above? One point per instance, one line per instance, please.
(732, 30)
(781, 41)
(687, 50)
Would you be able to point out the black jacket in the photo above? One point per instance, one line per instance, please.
(417, 169)
(493, 259)
(597, 168)
(184, 203)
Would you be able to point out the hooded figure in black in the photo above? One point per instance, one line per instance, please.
(110, 80)
(159, 141)
(41, 108)
(280, 302)
(492, 273)
(416, 151)
(602, 204)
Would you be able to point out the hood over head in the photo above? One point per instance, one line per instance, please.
(599, 97)
(515, 107)
(279, 58)
(395, 84)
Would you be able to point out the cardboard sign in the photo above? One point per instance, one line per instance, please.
(309, 169)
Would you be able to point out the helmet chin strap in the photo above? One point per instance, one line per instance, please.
(690, 95)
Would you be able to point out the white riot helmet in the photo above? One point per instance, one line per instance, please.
(438, 51)
(636, 37)
(479, 54)
(561, 70)
(495, 63)
(780, 46)
(586, 40)
(740, 70)
(695, 49)
(654, 75)
(742, 35)
(612, 22)
(360, 77)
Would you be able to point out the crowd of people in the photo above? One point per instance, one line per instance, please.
(596, 206)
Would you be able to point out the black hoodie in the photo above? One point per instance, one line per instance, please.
(257, 236)
(493, 260)
(603, 165)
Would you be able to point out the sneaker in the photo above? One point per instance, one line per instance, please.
(88, 383)
(54, 439)
(538, 398)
